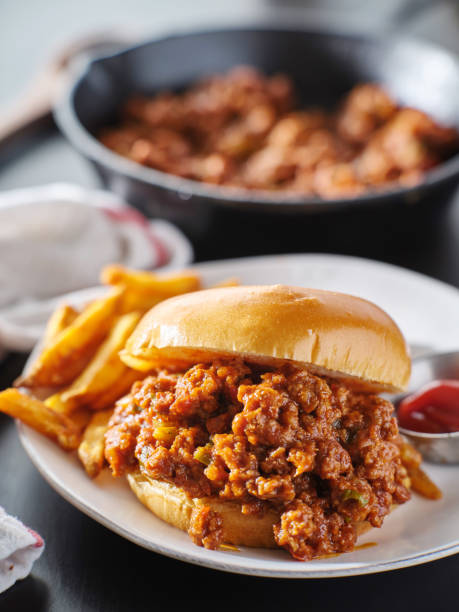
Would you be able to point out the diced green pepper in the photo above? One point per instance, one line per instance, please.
(203, 454)
(355, 495)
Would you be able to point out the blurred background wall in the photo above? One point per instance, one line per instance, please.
(30, 30)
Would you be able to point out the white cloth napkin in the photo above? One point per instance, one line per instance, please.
(56, 238)
(20, 547)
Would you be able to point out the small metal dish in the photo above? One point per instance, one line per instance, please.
(443, 447)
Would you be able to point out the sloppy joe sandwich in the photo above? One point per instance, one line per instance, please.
(259, 422)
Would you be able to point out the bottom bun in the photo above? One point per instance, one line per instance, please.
(172, 505)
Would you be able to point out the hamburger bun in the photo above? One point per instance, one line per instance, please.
(171, 504)
(331, 334)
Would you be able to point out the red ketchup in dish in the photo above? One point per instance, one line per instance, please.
(432, 409)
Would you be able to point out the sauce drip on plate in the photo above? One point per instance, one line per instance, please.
(432, 409)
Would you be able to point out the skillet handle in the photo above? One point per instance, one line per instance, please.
(32, 110)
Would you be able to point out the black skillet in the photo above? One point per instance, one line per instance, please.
(323, 65)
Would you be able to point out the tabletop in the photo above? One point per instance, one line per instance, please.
(86, 567)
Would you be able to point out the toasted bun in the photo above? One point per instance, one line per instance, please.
(172, 505)
(332, 334)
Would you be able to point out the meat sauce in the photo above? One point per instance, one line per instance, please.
(243, 130)
(323, 456)
(433, 409)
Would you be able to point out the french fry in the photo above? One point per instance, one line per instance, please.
(135, 300)
(79, 417)
(59, 403)
(91, 449)
(422, 484)
(39, 416)
(150, 283)
(143, 290)
(61, 318)
(56, 404)
(119, 388)
(232, 281)
(102, 375)
(65, 358)
(411, 458)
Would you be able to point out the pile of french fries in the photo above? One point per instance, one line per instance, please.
(69, 392)
(420, 482)
(80, 375)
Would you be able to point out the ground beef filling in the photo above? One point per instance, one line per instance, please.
(323, 456)
(206, 527)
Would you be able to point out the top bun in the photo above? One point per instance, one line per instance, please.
(332, 334)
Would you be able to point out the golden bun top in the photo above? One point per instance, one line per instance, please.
(330, 333)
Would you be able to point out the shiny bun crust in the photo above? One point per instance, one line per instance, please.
(331, 334)
(171, 504)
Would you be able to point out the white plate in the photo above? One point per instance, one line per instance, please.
(421, 530)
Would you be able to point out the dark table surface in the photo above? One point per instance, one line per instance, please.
(85, 567)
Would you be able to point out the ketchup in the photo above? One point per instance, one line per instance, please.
(432, 409)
